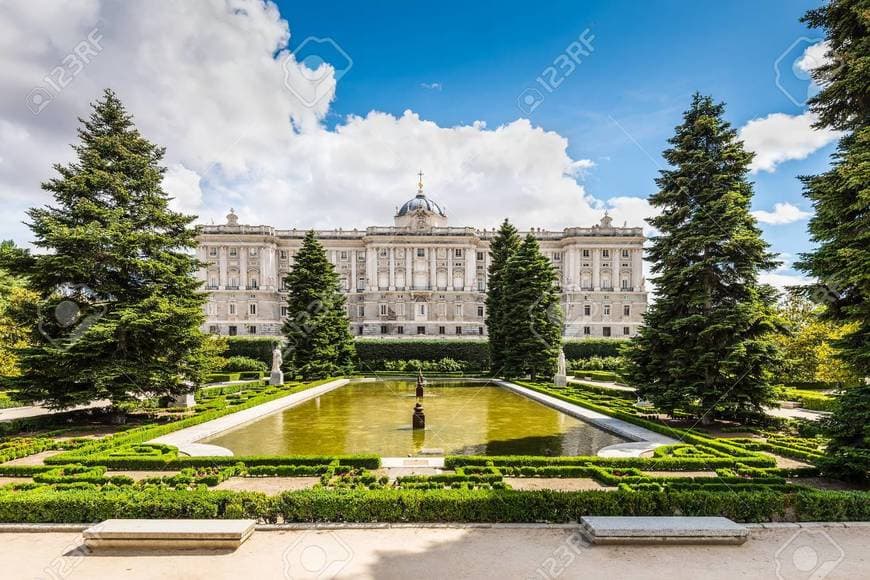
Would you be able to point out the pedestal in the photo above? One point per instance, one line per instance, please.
(276, 378)
(186, 400)
(560, 380)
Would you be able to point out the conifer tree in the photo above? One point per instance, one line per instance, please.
(503, 246)
(533, 315)
(707, 339)
(119, 309)
(840, 226)
(319, 343)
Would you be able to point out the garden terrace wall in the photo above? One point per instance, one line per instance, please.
(372, 353)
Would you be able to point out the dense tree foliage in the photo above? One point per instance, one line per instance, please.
(319, 343)
(533, 315)
(14, 297)
(119, 310)
(707, 341)
(840, 226)
(503, 246)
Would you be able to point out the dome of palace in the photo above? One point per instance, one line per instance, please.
(420, 201)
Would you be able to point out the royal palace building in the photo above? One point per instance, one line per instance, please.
(419, 277)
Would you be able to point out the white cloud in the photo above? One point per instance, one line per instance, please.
(432, 86)
(814, 56)
(207, 81)
(779, 137)
(782, 281)
(783, 213)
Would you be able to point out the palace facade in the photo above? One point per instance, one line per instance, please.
(419, 277)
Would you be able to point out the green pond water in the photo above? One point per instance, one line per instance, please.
(461, 419)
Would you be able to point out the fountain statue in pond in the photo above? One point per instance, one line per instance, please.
(277, 376)
(420, 384)
(418, 419)
(561, 378)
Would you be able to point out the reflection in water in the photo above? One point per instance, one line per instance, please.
(376, 418)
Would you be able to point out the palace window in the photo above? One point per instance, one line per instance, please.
(212, 251)
(624, 253)
(587, 331)
(214, 329)
(459, 330)
(361, 311)
(480, 256)
(624, 284)
(457, 253)
(421, 330)
(605, 331)
(625, 330)
(480, 310)
(607, 310)
(626, 310)
(252, 251)
(585, 253)
(252, 309)
(383, 252)
(343, 255)
(459, 310)
(232, 331)
(282, 254)
(285, 311)
(587, 310)
(400, 308)
(441, 330)
(383, 309)
(252, 330)
(384, 329)
(605, 253)
(232, 307)
(421, 252)
(400, 330)
(234, 252)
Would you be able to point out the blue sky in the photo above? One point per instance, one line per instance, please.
(620, 104)
(250, 119)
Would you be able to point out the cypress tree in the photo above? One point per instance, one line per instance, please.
(503, 246)
(533, 316)
(841, 224)
(319, 343)
(119, 309)
(707, 339)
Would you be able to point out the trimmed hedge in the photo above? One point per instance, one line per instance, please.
(373, 352)
(575, 349)
(255, 347)
(450, 505)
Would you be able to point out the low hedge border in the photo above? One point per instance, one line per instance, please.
(449, 505)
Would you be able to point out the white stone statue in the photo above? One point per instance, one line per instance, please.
(276, 377)
(561, 378)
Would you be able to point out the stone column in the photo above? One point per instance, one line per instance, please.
(636, 270)
(264, 267)
(449, 268)
(243, 269)
(409, 267)
(222, 265)
(392, 268)
(596, 269)
(470, 268)
(353, 284)
(433, 268)
(372, 267)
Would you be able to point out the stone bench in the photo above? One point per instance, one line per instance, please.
(663, 530)
(169, 534)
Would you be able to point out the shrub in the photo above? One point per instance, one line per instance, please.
(255, 347)
(590, 347)
(597, 363)
(373, 353)
(237, 364)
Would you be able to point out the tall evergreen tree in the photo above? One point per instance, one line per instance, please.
(504, 245)
(706, 342)
(841, 224)
(119, 311)
(319, 343)
(533, 316)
